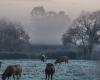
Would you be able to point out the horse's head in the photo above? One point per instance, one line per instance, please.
(55, 62)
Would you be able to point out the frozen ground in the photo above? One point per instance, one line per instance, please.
(74, 70)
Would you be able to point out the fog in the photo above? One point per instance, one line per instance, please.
(45, 33)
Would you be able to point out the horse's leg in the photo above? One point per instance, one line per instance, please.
(43, 60)
(13, 76)
(45, 76)
(8, 78)
(51, 76)
(18, 77)
(59, 65)
(48, 76)
(65, 62)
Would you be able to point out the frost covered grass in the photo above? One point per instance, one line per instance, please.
(74, 70)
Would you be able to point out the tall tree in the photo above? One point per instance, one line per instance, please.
(84, 32)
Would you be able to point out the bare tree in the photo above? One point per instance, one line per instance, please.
(84, 32)
(12, 37)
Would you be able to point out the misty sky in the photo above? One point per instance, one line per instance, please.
(19, 10)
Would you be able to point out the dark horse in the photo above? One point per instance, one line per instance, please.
(49, 71)
(12, 70)
(62, 59)
(43, 57)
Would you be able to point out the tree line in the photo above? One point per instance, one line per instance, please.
(83, 34)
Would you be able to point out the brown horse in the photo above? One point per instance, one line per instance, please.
(62, 59)
(12, 70)
(49, 71)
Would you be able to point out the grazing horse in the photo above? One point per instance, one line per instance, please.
(12, 70)
(62, 59)
(43, 57)
(49, 71)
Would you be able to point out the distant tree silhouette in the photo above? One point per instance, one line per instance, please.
(84, 32)
(13, 37)
(38, 11)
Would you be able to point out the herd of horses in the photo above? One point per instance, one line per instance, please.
(16, 70)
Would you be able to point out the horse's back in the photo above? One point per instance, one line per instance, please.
(62, 59)
(17, 68)
(14, 69)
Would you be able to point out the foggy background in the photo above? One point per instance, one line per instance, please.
(45, 33)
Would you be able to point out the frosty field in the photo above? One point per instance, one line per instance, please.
(74, 70)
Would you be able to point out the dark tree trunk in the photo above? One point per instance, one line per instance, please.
(85, 53)
(90, 48)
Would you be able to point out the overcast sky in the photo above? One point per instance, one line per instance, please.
(19, 10)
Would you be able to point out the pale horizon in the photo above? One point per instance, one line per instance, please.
(19, 10)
